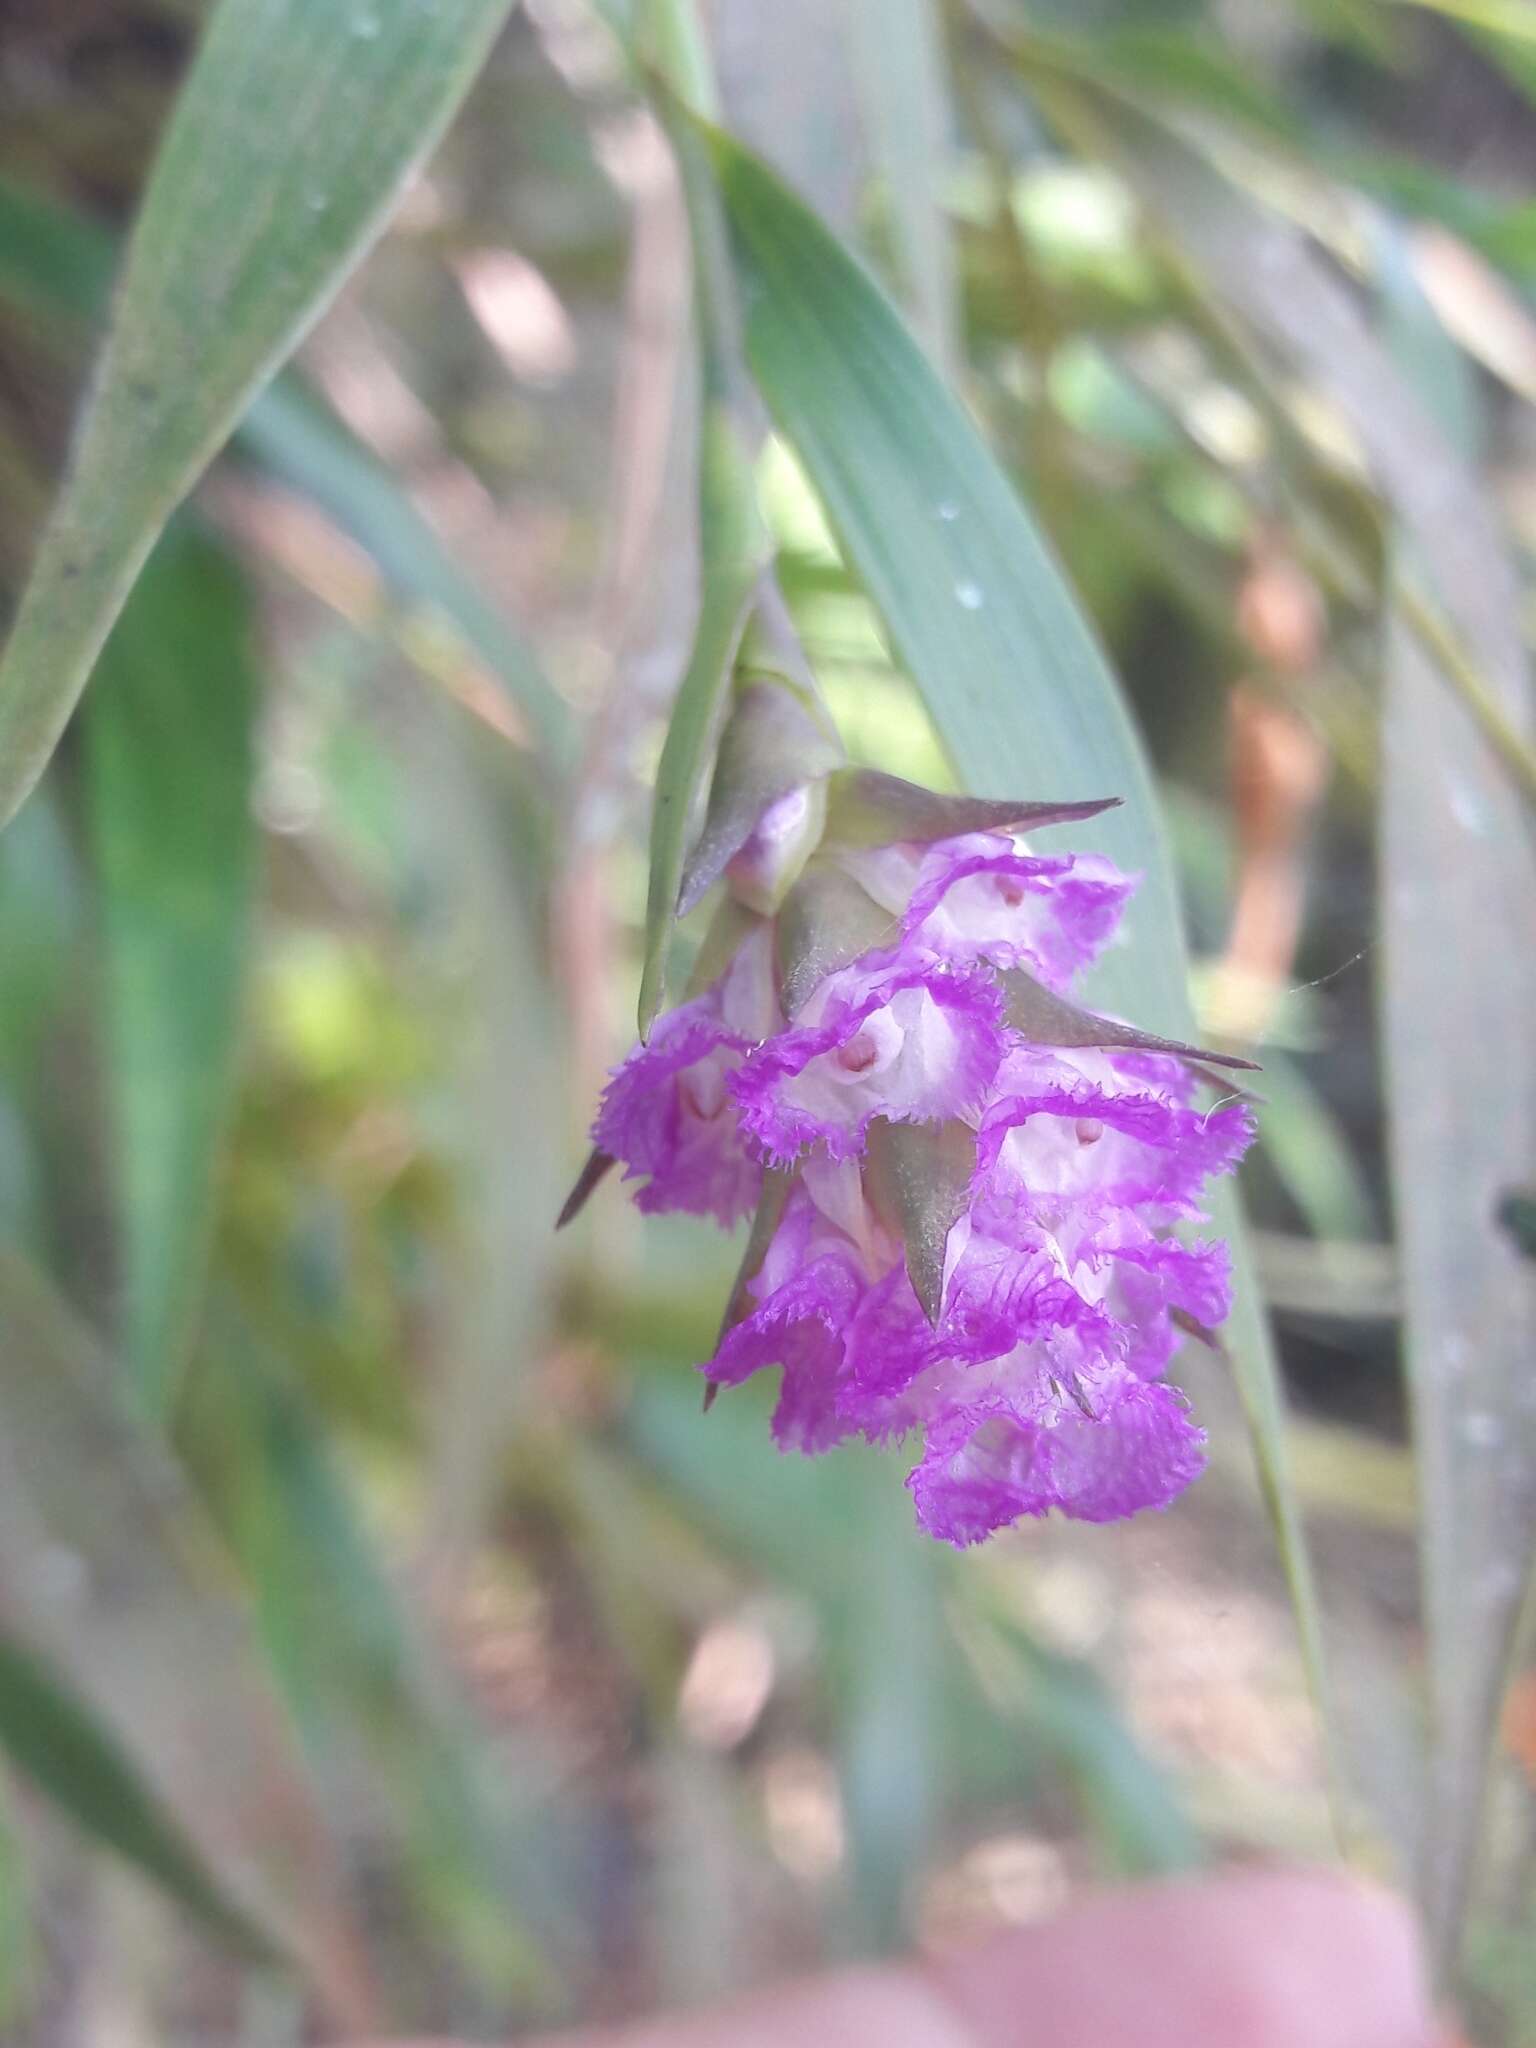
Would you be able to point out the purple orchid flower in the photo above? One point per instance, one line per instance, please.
(1055, 1292)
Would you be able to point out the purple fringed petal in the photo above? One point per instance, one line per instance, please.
(668, 1112)
(807, 1291)
(1085, 1130)
(900, 1035)
(669, 1115)
(1147, 1278)
(997, 1297)
(890, 1342)
(800, 1327)
(980, 898)
(996, 1458)
(999, 1294)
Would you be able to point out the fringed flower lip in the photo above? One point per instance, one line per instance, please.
(965, 1188)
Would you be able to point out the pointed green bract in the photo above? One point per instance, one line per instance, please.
(1045, 1018)
(868, 808)
(765, 1221)
(920, 1177)
(827, 921)
(771, 746)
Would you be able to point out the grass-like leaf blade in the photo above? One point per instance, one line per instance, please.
(730, 564)
(151, 1613)
(289, 141)
(169, 759)
(59, 1746)
(981, 616)
(898, 67)
(56, 265)
(1458, 992)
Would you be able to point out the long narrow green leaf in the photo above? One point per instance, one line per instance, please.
(981, 616)
(503, 1125)
(361, 1679)
(1504, 17)
(290, 140)
(169, 757)
(54, 263)
(730, 564)
(1310, 1155)
(898, 68)
(1458, 881)
(1178, 67)
(17, 1905)
(1265, 270)
(108, 1573)
(56, 1742)
(296, 437)
(977, 609)
(732, 543)
(898, 1691)
(1128, 1799)
(57, 264)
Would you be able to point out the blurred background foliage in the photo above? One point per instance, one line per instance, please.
(387, 1639)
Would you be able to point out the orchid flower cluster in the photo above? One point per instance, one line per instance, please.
(964, 1187)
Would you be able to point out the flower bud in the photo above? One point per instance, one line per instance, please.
(769, 862)
(766, 804)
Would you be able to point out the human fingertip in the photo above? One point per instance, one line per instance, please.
(1253, 1959)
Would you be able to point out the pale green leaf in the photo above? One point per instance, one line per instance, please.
(898, 72)
(1503, 17)
(980, 615)
(57, 264)
(363, 1681)
(289, 141)
(976, 607)
(65, 1752)
(1265, 270)
(504, 1126)
(730, 568)
(1458, 878)
(114, 1580)
(169, 760)
(17, 1907)
(296, 437)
